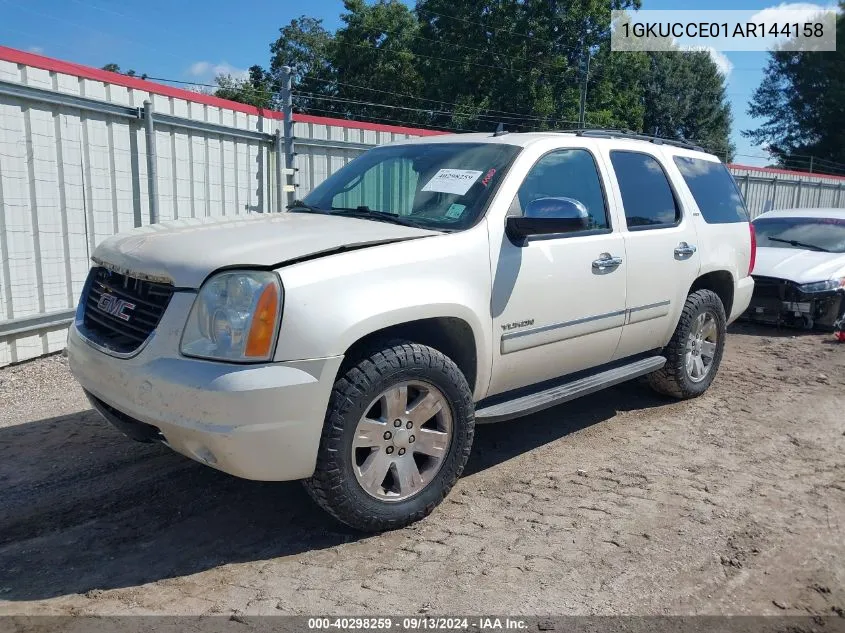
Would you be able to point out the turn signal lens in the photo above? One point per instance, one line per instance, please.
(263, 328)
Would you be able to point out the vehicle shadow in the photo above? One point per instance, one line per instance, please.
(85, 508)
(771, 331)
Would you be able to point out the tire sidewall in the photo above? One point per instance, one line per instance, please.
(704, 302)
(348, 412)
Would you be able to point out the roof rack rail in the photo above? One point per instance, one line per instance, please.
(657, 140)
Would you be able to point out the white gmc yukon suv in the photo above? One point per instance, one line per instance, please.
(356, 339)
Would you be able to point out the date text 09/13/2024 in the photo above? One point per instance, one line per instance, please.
(417, 623)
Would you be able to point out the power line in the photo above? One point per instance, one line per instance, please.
(400, 121)
(497, 116)
(469, 115)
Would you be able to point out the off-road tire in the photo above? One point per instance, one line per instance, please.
(673, 379)
(334, 486)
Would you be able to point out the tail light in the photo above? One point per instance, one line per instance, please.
(753, 259)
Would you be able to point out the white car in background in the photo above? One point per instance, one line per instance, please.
(799, 274)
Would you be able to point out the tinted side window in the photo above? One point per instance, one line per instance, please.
(646, 195)
(568, 173)
(714, 190)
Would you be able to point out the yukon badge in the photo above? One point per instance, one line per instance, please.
(115, 306)
(517, 324)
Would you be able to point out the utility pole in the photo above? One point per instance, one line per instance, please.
(811, 164)
(586, 75)
(152, 169)
(287, 124)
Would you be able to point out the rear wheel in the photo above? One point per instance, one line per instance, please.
(695, 351)
(397, 434)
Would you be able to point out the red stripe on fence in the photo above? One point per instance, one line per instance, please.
(87, 72)
(789, 172)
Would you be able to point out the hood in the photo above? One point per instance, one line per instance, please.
(185, 252)
(800, 266)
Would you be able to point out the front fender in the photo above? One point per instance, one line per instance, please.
(332, 302)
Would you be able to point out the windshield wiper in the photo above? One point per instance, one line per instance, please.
(367, 213)
(299, 205)
(799, 244)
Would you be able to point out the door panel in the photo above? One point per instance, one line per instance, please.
(658, 282)
(554, 312)
(661, 250)
(558, 302)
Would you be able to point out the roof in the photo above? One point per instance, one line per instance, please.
(524, 139)
(804, 213)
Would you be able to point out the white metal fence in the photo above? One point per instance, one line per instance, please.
(83, 156)
(767, 189)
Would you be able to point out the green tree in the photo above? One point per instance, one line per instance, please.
(470, 65)
(801, 101)
(114, 68)
(256, 89)
(526, 57)
(306, 47)
(373, 49)
(332, 72)
(684, 98)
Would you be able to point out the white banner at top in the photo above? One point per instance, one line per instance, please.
(808, 28)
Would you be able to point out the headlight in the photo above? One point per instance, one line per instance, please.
(823, 286)
(235, 317)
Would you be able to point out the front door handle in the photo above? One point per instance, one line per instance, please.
(606, 261)
(684, 250)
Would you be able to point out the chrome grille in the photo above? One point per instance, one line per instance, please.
(121, 311)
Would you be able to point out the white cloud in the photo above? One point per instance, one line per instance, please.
(209, 70)
(36, 49)
(198, 69)
(787, 12)
(721, 60)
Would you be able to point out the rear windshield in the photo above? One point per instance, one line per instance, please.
(442, 186)
(714, 190)
(813, 234)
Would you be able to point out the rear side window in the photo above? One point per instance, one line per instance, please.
(646, 194)
(714, 190)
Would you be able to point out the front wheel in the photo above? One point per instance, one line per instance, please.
(396, 437)
(695, 351)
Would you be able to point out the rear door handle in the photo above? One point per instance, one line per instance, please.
(606, 261)
(684, 250)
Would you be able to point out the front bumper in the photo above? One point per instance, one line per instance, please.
(260, 421)
(781, 302)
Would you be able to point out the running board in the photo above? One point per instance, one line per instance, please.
(534, 402)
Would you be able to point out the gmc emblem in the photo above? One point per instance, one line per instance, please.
(115, 306)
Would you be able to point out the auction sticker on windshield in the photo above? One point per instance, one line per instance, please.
(457, 181)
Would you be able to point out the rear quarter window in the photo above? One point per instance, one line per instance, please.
(714, 189)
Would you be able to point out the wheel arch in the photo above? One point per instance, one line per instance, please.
(721, 282)
(451, 335)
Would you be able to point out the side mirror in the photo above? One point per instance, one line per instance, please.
(544, 216)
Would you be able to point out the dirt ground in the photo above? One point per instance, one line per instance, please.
(620, 503)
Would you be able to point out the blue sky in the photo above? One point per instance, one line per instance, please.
(190, 41)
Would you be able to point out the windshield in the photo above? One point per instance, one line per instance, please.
(813, 234)
(442, 186)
